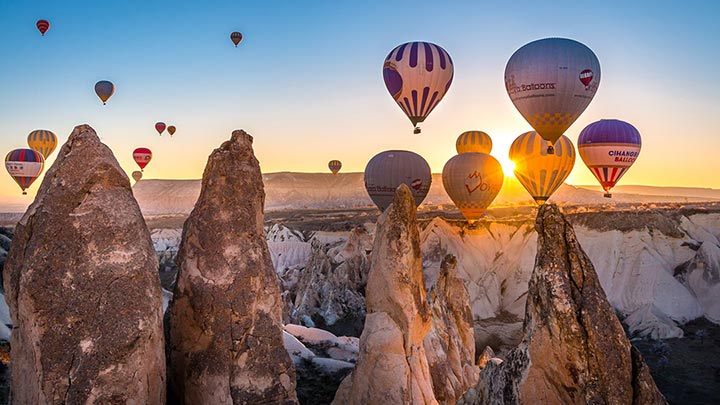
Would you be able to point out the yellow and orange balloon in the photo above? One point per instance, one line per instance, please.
(540, 172)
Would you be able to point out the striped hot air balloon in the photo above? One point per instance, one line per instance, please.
(236, 37)
(160, 127)
(142, 157)
(417, 75)
(540, 172)
(43, 141)
(334, 166)
(609, 148)
(387, 170)
(42, 26)
(551, 82)
(473, 141)
(24, 166)
(472, 180)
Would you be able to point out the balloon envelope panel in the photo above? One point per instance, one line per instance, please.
(551, 82)
(387, 170)
(539, 172)
(472, 180)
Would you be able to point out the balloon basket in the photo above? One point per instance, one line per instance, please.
(24, 192)
(550, 150)
(607, 195)
(416, 130)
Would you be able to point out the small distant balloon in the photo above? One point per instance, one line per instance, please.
(104, 89)
(472, 180)
(24, 166)
(417, 75)
(609, 148)
(42, 26)
(160, 127)
(334, 166)
(137, 175)
(236, 37)
(541, 172)
(473, 141)
(171, 130)
(142, 157)
(43, 141)
(387, 170)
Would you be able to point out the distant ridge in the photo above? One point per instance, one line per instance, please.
(292, 190)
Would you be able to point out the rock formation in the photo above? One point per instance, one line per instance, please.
(226, 341)
(82, 285)
(392, 367)
(573, 350)
(330, 289)
(450, 344)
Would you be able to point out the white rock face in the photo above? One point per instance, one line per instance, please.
(636, 270)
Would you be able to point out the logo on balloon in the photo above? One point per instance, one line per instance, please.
(416, 184)
(478, 184)
(586, 76)
(393, 80)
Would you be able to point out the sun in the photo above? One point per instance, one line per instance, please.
(508, 166)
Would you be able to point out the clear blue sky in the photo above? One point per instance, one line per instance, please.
(306, 81)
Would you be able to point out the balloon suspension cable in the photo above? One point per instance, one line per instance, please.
(607, 195)
(416, 130)
(550, 150)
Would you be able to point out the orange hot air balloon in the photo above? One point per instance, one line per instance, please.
(236, 37)
(472, 180)
(540, 172)
(160, 127)
(24, 166)
(43, 141)
(137, 175)
(334, 166)
(142, 157)
(42, 26)
(171, 130)
(473, 141)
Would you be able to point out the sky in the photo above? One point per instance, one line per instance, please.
(306, 81)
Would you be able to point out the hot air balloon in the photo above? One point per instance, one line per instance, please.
(142, 157)
(171, 130)
(42, 26)
(417, 75)
(160, 127)
(387, 170)
(334, 166)
(236, 37)
(43, 141)
(24, 165)
(551, 81)
(609, 148)
(104, 89)
(137, 175)
(473, 141)
(472, 180)
(540, 172)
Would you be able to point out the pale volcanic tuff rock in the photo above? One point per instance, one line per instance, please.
(392, 367)
(226, 337)
(573, 350)
(82, 285)
(450, 344)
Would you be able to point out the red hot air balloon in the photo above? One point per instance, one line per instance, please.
(142, 157)
(42, 26)
(160, 127)
(24, 165)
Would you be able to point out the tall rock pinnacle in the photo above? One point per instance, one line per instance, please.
(82, 283)
(392, 367)
(574, 350)
(226, 343)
